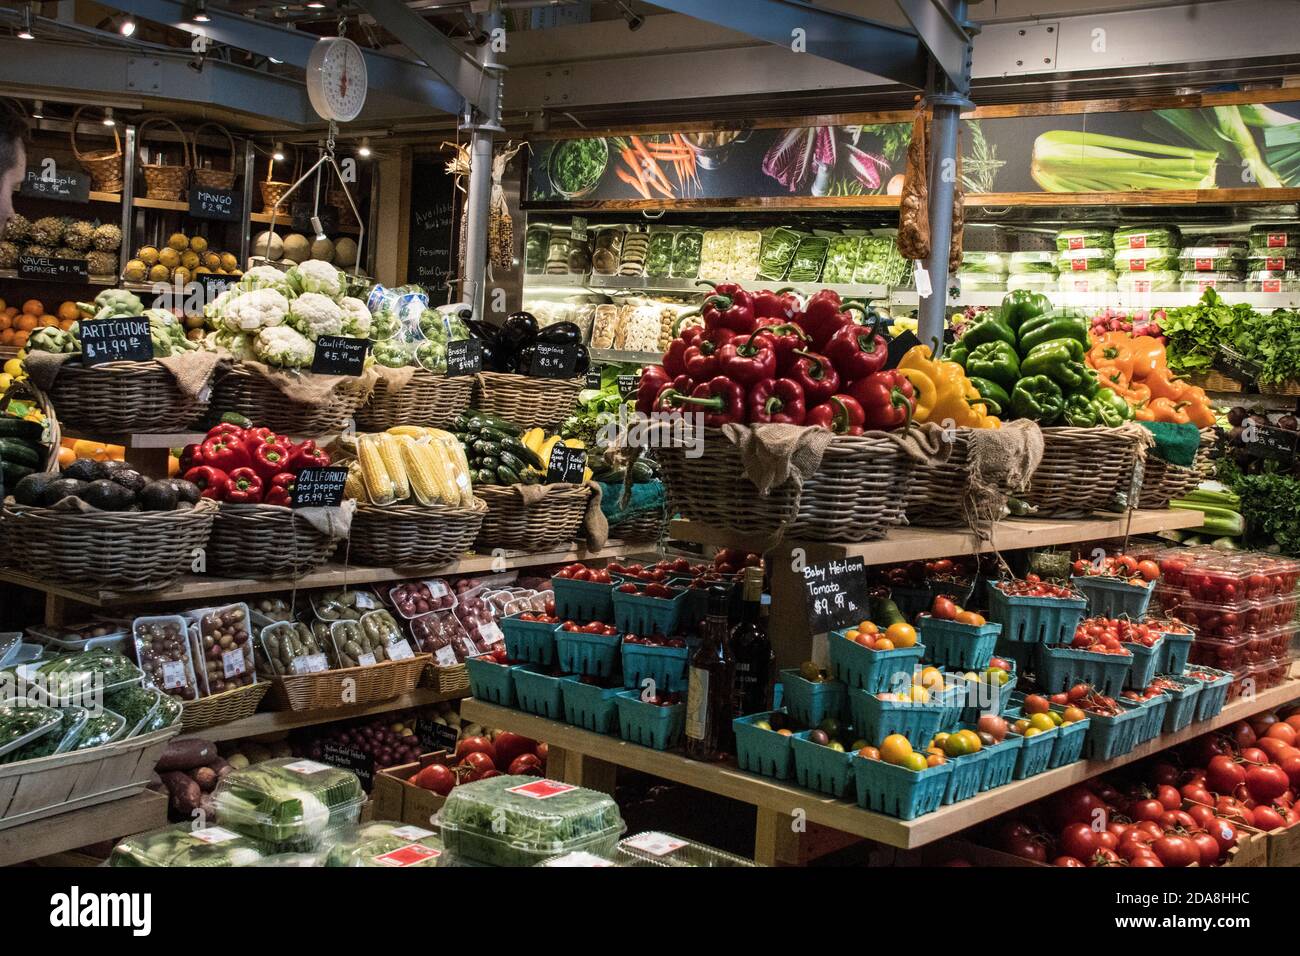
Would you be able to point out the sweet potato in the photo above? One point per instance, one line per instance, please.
(186, 753)
(185, 792)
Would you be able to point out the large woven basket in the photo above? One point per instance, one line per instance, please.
(210, 176)
(856, 495)
(1082, 471)
(1213, 381)
(119, 398)
(223, 708)
(113, 550)
(348, 686)
(265, 541)
(53, 434)
(936, 493)
(412, 535)
(427, 399)
(526, 400)
(165, 180)
(1162, 481)
(648, 525)
(1289, 387)
(103, 165)
(510, 523)
(239, 390)
(273, 191)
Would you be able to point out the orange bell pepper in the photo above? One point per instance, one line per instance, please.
(1166, 410)
(1164, 384)
(1148, 356)
(1200, 414)
(1114, 349)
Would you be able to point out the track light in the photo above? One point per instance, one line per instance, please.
(127, 27)
(315, 5)
(197, 62)
(201, 12)
(274, 60)
(634, 20)
(278, 153)
(38, 109)
(364, 150)
(26, 32)
(108, 116)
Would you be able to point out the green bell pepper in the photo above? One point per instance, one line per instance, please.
(1061, 324)
(1062, 359)
(1039, 398)
(1113, 409)
(994, 395)
(1022, 305)
(957, 352)
(1080, 412)
(996, 361)
(988, 328)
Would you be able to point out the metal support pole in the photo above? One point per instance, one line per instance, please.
(478, 200)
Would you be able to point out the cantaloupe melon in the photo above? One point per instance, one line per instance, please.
(345, 252)
(267, 244)
(296, 247)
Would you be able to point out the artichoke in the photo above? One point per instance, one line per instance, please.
(18, 229)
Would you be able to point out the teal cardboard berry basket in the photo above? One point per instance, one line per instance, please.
(810, 702)
(490, 681)
(532, 642)
(649, 725)
(583, 601)
(1035, 620)
(819, 767)
(595, 655)
(589, 706)
(959, 646)
(760, 751)
(897, 791)
(872, 670)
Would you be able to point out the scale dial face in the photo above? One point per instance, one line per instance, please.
(336, 79)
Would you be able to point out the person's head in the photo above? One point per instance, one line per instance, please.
(13, 159)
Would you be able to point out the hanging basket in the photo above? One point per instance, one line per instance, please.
(272, 191)
(1082, 471)
(428, 399)
(210, 176)
(1213, 381)
(412, 536)
(164, 181)
(103, 165)
(265, 541)
(119, 398)
(239, 390)
(511, 523)
(526, 400)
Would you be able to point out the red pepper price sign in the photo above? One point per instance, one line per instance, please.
(836, 593)
(319, 488)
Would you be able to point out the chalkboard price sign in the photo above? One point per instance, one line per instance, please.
(432, 229)
(1266, 441)
(208, 202)
(836, 592)
(319, 487)
(1235, 365)
(349, 758)
(52, 269)
(628, 384)
(47, 181)
(214, 284)
(340, 355)
(435, 736)
(464, 357)
(124, 339)
(553, 361)
(593, 376)
(566, 464)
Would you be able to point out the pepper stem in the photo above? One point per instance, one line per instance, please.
(677, 325)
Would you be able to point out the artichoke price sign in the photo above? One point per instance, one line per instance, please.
(836, 593)
(209, 202)
(319, 487)
(464, 357)
(123, 339)
(554, 361)
(566, 464)
(340, 355)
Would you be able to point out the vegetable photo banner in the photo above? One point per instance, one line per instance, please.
(1176, 146)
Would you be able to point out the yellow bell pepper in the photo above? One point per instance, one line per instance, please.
(926, 392)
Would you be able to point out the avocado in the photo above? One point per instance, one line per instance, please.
(107, 496)
(29, 490)
(130, 479)
(62, 488)
(83, 469)
(186, 491)
(106, 469)
(159, 496)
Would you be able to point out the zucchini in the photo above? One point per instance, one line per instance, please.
(513, 462)
(461, 422)
(495, 434)
(485, 476)
(20, 428)
(20, 452)
(529, 477)
(508, 476)
(482, 420)
(487, 448)
(14, 473)
(520, 450)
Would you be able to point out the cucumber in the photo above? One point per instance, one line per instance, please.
(482, 420)
(513, 462)
(485, 476)
(20, 452)
(495, 434)
(14, 473)
(488, 448)
(520, 450)
(20, 428)
(461, 422)
(529, 477)
(508, 476)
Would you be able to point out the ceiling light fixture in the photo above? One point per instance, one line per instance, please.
(274, 60)
(26, 32)
(38, 109)
(201, 12)
(127, 27)
(315, 5)
(364, 150)
(108, 116)
(278, 153)
(634, 20)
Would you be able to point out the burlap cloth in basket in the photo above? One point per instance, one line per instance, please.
(333, 522)
(395, 379)
(595, 522)
(310, 388)
(192, 370)
(1000, 462)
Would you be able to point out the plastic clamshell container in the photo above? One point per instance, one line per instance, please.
(385, 844)
(583, 600)
(150, 699)
(967, 774)
(538, 692)
(588, 706)
(1062, 667)
(83, 637)
(182, 845)
(1069, 741)
(809, 702)
(651, 725)
(288, 803)
(1035, 620)
(490, 681)
(641, 614)
(1109, 737)
(20, 725)
(530, 641)
(820, 768)
(1146, 660)
(1114, 597)
(521, 821)
(578, 859)
(344, 604)
(228, 666)
(963, 646)
(663, 849)
(172, 670)
(868, 669)
(102, 728)
(1000, 764)
(79, 678)
(1269, 673)
(1176, 647)
(876, 719)
(897, 791)
(22, 653)
(595, 655)
(1035, 754)
(760, 751)
(666, 666)
(1224, 654)
(1182, 704)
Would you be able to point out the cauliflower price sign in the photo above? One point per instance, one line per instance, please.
(124, 339)
(340, 355)
(837, 593)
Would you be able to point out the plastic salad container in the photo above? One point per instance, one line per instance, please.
(988, 263)
(23, 724)
(287, 803)
(137, 705)
(1094, 280)
(59, 740)
(1032, 261)
(101, 728)
(1032, 281)
(75, 678)
(224, 647)
(162, 646)
(1224, 258)
(1200, 281)
(1085, 260)
(386, 844)
(420, 597)
(1274, 236)
(180, 845)
(521, 821)
(67, 639)
(1147, 237)
(1085, 237)
(663, 849)
(578, 859)
(1149, 259)
(1147, 281)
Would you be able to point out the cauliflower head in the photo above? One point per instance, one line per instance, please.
(283, 346)
(356, 317)
(315, 315)
(258, 309)
(238, 344)
(267, 277)
(317, 276)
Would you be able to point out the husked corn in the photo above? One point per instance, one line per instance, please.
(355, 486)
(379, 485)
(425, 469)
(390, 448)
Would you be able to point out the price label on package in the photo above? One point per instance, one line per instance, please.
(836, 593)
(400, 651)
(232, 662)
(490, 634)
(309, 664)
(174, 676)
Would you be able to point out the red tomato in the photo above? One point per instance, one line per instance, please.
(1169, 797)
(1204, 816)
(944, 608)
(1266, 782)
(1067, 861)
(1283, 732)
(1142, 810)
(1223, 774)
(1208, 848)
(1079, 840)
(1105, 857)
(1146, 860)
(479, 762)
(1267, 818)
(1197, 793)
(1175, 850)
(1148, 569)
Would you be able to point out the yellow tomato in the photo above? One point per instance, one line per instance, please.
(1073, 714)
(868, 627)
(935, 760)
(884, 644)
(895, 749)
(1056, 718)
(972, 740)
(919, 694)
(956, 745)
(1032, 732)
(851, 634)
(903, 635)
(932, 678)
(916, 761)
(939, 739)
(1042, 722)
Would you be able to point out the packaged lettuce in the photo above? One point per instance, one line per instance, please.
(880, 262)
(1085, 260)
(1095, 280)
(990, 263)
(687, 246)
(841, 259)
(1200, 281)
(1276, 236)
(659, 254)
(1283, 259)
(1217, 258)
(23, 722)
(61, 739)
(386, 844)
(1265, 281)
(1032, 261)
(981, 281)
(521, 821)
(664, 849)
(1032, 281)
(1085, 237)
(1160, 281)
(806, 266)
(1148, 237)
(1149, 259)
(289, 804)
(181, 846)
(778, 250)
(101, 728)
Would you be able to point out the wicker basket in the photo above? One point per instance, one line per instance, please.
(522, 398)
(348, 686)
(856, 495)
(936, 493)
(53, 434)
(163, 181)
(207, 176)
(427, 399)
(273, 192)
(265, 541)
(114, 550)
(119, 398)
(239, 390)
(1082, 470)
(412, 536)
(32, 789)
(1162, 481)
(223, 708)
(1289, 387)
(103, 165)
(510, 523)
(1213, 381)
(447, 680)
(648, 525)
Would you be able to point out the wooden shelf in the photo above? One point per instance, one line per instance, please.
(175, 205)
(275, 721)
(76, 828)
(93, 196)
(92, 280)
(287, 222)
(142, 439)
(786, 798)
(922, 544)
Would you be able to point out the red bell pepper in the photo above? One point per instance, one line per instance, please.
(701, 356)
(721, 400)
(224, 452)
(778, 400)
(815, 375)
(280, 490)
(307, 455)
(695, 329)
(730, 307)
(211, 481)
(841, 413)
(825, 314)
(256, 436)
(191, 455)
(782, 305)
(887, 399)
(748, 360)
(654, 379)
(270, 458)
(857, 351)
(675, 358)
(244, 486)
(226, 428)
(785, 338)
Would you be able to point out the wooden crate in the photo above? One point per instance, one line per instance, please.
(1251, 849)
(395, 798)
(1284, 846)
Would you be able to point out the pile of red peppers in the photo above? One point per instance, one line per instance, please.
(766, 356)
(242, 464)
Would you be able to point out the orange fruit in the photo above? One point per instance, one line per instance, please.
(884, 644)
(901, 635)
(25, 322)
(66, 456)
(895, 749)
(33, 307)
(20, 339)
(6, 336)
(868, 627)
(47, 320)
(69, 310)
(934, 760)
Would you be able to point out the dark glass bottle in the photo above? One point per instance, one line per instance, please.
(752, 649)
(709, 689)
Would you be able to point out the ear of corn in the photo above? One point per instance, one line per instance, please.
(426, 464)
(379, 485)
(355, 486)
(390, 447)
